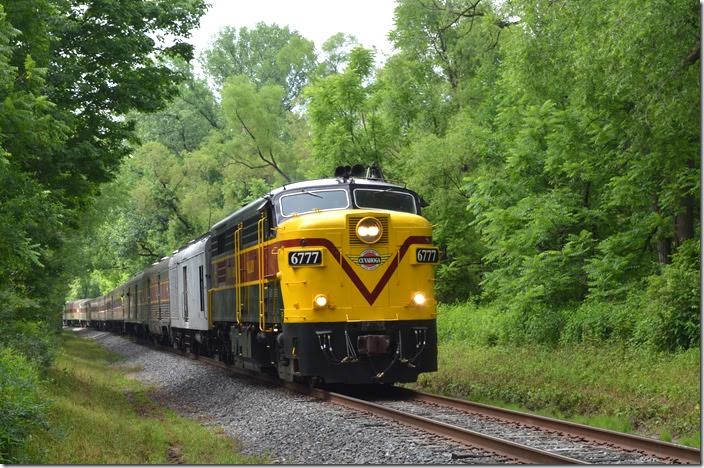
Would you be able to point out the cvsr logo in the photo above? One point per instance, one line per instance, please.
(369, 259)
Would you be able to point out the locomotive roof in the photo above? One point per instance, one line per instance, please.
(331, 181)
(252, 208)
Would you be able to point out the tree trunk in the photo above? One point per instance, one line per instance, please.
(664, 243)
(665, 250)
(684, 222)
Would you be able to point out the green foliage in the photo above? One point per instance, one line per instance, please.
(70, 75)
(187, 120)
(439, 181)
(336, 50)
(345, 117)
(257, 121)
(267, 55)
(31, 215)
(99, 63)
(672, 302)
(581, 202)
(470, 324)
(596, 323)
(35, 340)
(21, 410)
(663, 317)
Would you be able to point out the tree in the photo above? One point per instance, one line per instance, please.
(256, 121)
(439, 98)
(267, 55)
(31, 215)
(336, 50)
(100, 62)
(71, 72)
(597, 152)
(185, 122)
(345, 116)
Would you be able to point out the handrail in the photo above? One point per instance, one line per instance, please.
(210, 309)
(238, 274)
(260, 279)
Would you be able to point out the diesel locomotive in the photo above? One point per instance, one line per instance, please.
(327, 280)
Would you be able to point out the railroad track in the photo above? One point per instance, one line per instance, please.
(515, 452)
(594, 445)
(668, 452)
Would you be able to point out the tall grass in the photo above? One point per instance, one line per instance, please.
(26, 351)
(98, 415)
(21, 408)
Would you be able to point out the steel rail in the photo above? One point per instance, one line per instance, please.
(511, 450)
(660, 449)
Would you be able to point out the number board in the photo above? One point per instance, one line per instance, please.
(305, 257)
(427, 255)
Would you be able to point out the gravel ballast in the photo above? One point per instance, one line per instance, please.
(283, 426)
(550, 441)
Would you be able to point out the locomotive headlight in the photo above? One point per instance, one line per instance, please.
(369, 230)
(320, 301)
(419, 299)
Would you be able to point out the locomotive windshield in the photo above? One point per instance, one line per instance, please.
(385, 199)
(306, 201)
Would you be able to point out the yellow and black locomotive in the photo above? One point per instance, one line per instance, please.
(326, 280)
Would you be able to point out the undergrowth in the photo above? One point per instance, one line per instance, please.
(98, 415)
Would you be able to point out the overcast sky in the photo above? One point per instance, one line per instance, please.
(368, 20)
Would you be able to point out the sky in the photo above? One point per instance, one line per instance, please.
(368, 20)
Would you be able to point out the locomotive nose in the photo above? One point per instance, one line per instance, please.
(356, 265)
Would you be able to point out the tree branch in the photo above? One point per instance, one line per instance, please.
(148, 252)
(171, 204)
(271, 162)
(210, 119)
(248, 166)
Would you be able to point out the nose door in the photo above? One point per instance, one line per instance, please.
(370, 270)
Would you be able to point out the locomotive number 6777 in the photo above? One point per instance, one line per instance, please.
(326, 280)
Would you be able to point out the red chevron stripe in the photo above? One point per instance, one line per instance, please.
(370, 296)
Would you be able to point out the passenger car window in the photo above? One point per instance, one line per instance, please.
(385, 199)
(310, 200)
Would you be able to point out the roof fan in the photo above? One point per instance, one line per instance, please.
(358, 171)
(341, 172)
(374, 173)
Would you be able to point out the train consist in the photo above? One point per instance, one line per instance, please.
(328, 280)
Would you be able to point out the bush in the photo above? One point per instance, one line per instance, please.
(596, 322)
(33, 339)
(470, 324)
(534, 323)
(661, 312)
(492, 325)
(672, 302)
(21, 410)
